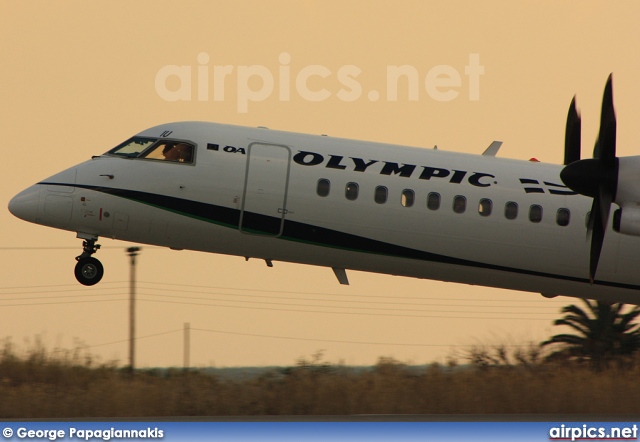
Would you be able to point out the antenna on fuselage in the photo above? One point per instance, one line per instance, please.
(493, 149)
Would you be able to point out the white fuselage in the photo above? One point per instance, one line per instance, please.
(263, 194)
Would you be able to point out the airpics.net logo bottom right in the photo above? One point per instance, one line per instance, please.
(592, 432)
(255, 83)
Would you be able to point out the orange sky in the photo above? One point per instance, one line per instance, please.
(79, 77)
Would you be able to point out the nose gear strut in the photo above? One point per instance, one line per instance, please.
(89, 270)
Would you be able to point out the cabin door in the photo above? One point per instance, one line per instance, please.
(264, 201)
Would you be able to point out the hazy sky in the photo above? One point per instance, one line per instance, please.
(79, 77)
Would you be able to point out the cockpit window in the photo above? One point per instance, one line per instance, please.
(168, 150)
(154, 149)
(132, 147)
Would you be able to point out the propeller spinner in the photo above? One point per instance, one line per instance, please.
(596, 177)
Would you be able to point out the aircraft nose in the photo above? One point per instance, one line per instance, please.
(25, 204)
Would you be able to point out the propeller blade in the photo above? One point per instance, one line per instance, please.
(572, 135)
(597, 177)
(598, 220)
(605, 148)
(597, 239)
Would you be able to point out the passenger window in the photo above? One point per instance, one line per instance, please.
(535, 213)
(563, 217)
(459, 204)
(433, 201)
(324, 187)
(485, 207)
(380, 195)
(174, 151)
(408, 197)
(511, 210)
(351, 191)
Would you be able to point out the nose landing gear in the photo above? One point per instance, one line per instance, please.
(89, 270)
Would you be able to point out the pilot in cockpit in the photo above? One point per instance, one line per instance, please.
(180, 152)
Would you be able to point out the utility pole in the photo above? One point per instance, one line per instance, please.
(187, 343)
(132, 252)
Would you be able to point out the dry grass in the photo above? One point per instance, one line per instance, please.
(70, 385)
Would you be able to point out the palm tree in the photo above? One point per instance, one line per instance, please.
(603, 333)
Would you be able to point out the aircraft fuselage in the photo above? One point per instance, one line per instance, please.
(345, 204)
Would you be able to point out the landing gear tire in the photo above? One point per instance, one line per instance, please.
(89, 271)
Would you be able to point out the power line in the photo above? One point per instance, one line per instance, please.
(293, 310)
(340, 307)
(335, 341)
(281, 304)
(334, 300)
(58, 296)
(127, 340)
(309, 304)
(305, 304)
(62, 302)
(92, 293)
(283, 292)
(56, 285)
(339, 294)
(341, 313)
(39, 248)
(58, 248)
(123, 247)
(287, 309)
(291, 338)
